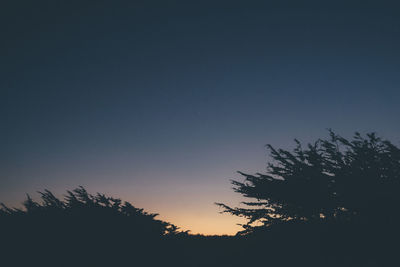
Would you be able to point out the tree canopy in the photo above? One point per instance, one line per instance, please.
(86, 212)
(330, 179)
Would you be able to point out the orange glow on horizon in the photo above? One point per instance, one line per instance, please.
(190, 211)
(219, 224)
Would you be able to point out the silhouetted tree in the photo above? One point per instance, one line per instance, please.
(97, 230)
(81, 230)
(332, 179)
(80, 205)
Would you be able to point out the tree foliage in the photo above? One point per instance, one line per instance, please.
(79, 208)
(330, 179)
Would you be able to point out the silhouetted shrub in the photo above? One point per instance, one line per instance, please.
(81, 228)
(333, 203)
(82, 207)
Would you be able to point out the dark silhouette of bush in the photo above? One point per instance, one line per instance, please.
(81, 207)
(333, 203)
(81, 227)
(97, 230)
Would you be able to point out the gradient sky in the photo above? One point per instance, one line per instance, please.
(161, 102)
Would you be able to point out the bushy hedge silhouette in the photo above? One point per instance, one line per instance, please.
(333, 203)
(80, 207)
(81, 228)
(97, 230)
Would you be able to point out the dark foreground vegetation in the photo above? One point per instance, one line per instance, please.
(333, 203)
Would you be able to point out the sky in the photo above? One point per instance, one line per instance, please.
(161, 102)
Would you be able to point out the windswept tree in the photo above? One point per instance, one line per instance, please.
(330, 179)
(82, 230)
(82, 218)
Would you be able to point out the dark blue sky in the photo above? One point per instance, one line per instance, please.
(160, 102)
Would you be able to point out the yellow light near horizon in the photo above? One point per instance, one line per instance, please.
(218, 224)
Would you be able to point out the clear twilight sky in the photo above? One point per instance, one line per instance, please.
(161, 102)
